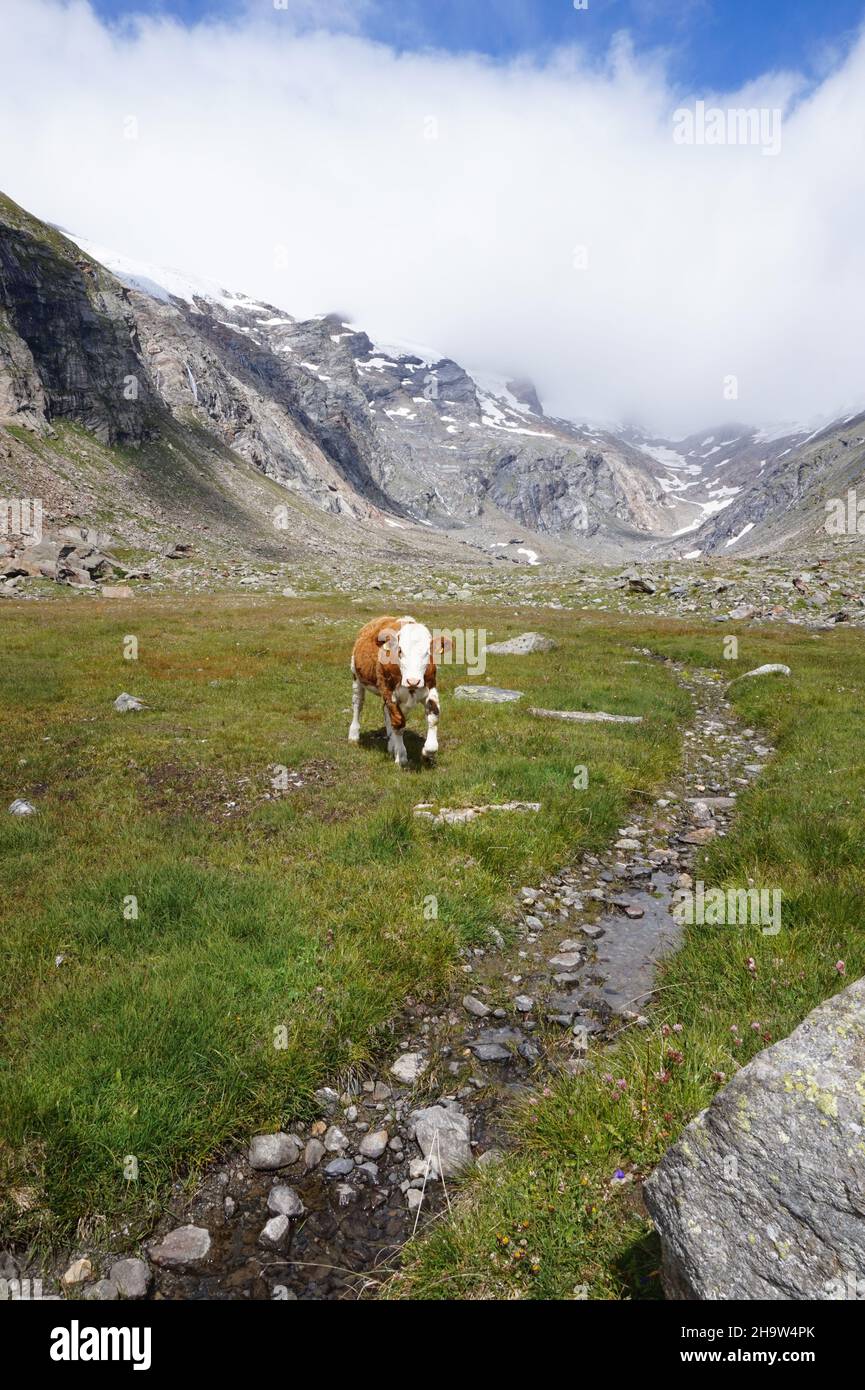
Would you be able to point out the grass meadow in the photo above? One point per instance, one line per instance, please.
(272, 937)
(225, 947)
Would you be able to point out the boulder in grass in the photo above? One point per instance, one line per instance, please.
(128, 704)
(524, 645)
(487, 694)
(763, 1196)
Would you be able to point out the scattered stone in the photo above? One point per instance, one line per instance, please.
(282, 1200)
(409, 1067)
(374, 1145)
(132, 1278)
(775, 668)
(183, 1246)
(339, 1167)
(276, 1232)
(270, 1151)
(461, 815)
(475, 1006)
(313, 1154)
(579, 716)
(103, 1291)
(20, 807)
(524, 1003)
(127, 704)
(334, 1140)
(699, 837)
(523, 645)
(79, 1272)
(443, 1133)
(487, 694)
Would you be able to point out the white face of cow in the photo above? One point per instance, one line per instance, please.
(410, 649)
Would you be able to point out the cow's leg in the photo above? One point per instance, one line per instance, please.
(395, 720)
(357, 697)
(431, 745)
(389, 728)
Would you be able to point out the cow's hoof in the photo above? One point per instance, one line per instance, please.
(429, 754)
(354, 735)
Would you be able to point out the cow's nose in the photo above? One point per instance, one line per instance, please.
(412, 685)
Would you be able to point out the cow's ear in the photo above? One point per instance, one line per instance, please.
(388, 640)
(440, 645)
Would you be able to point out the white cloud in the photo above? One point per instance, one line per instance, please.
(702, 262)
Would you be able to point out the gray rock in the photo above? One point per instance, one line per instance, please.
(103, 1291)
(487, 694)
(524, 645)
(334, 1140)
(524, 1003)
(374, 1145)
(773, 668)
(328, 1099)
(282, 1200)
(566, 961)
(132, 1278)
(20, 807)
(183, 1246)
(409, 1066)
(580, 716)
(443, 1133)
(270, 1151)
(276, 1233)
(313, 1154)
(128, 704)
(475, 1006)
(764, 1193)
(339, 1167)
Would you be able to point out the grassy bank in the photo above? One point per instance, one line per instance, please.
(273, 935)
(562, 1216)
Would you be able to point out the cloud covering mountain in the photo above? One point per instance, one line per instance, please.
(534, 217)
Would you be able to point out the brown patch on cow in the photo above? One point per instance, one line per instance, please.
(431, 706)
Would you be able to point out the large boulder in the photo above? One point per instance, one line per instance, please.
(763, 1197)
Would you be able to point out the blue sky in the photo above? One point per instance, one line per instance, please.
(712, 44)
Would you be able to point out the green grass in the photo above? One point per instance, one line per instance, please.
(553, 1221)
(298, 920)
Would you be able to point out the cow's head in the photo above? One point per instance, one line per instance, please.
(411, 647)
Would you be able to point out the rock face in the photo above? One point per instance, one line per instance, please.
(763, 1197)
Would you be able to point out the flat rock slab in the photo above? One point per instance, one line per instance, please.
(774, 668)
(487, 694)
(524, 645)
(580, 716)
(461, 815)
(763, 1195)
(183, 1246)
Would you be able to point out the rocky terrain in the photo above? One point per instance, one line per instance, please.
(159, 407)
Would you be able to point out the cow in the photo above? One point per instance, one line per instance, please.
(397, 658)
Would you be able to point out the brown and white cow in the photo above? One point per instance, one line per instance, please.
(397, 658)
